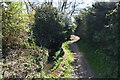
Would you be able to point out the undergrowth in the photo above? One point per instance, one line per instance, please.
(63, 65)
(22, 58)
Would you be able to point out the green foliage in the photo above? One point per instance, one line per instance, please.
(49, 30)
(103, 65)
(68, 53)
(14, 25)
(98, 28)
(67, 69)
(63, 65)
(57, 63)
(49, 27)
(19, 43)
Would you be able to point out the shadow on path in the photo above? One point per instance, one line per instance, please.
(81, 67)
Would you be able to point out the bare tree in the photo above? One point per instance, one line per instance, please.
(26, 6)
(64, 5)
(68, 7)
(31, 4)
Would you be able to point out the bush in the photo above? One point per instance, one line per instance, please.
(19, 47)
(14, 25)
(99, 30)
(49, 27)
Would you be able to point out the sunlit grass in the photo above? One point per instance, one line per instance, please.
(68, 62)
(63, 66)
(68, 52)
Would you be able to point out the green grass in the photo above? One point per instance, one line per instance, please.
(68, 52)
(103, 65)
(57, 63)
(69, 60)
(66, 60)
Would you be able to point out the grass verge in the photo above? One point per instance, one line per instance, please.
(103, 65)
(68, 60)
(63, 65)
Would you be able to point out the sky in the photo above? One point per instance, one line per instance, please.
(55, 2)
(86, 2)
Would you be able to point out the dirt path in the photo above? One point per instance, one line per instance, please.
(81, 67)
